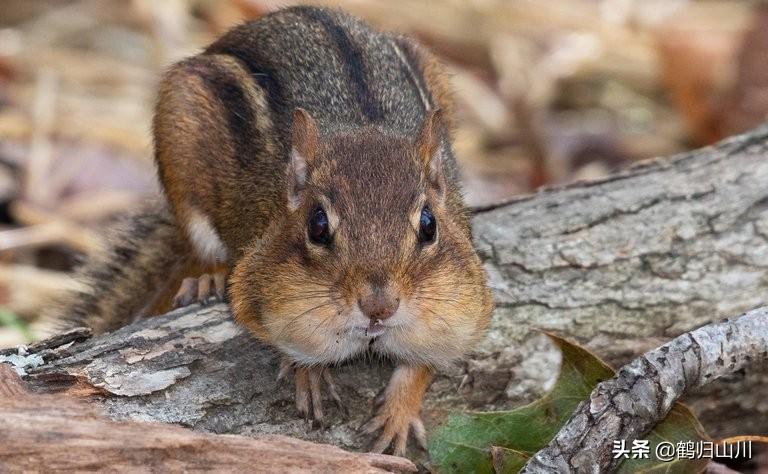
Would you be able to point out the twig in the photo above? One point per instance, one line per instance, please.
(642, 393)
(99, 205)
(55, 232)
(40, 153)
(44, 228)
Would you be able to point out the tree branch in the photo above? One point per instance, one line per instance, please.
(629, 405)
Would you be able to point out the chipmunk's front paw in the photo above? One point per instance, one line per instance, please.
(203, 290)
(395, 424)
(309, 383)
(397, 411)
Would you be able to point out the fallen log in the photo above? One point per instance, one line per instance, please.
(55, 432)
(622, 265)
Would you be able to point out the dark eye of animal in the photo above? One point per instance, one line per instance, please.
(427, 226)
(318, 229)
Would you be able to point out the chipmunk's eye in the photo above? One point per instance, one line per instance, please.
(317, 228)
(427, 226)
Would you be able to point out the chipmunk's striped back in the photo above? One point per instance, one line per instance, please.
(334, 66)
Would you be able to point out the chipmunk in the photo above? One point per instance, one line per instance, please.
(306, 162)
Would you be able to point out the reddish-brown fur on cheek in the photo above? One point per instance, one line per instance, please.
(448, 302)
(285, 300)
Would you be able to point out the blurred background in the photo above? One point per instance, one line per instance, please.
(548, 92)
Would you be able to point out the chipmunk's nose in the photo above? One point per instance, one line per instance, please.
(378, 303)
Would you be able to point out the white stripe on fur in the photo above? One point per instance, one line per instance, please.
(205, 238)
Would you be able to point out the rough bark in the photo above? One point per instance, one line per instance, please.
(54, 432)
(629, 405)
(626, 263)
(622, 265)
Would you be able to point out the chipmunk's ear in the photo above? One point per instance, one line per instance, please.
(431, 148)
(304, 139)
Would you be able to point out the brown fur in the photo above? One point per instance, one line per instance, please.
(134, 276)
(310, 108)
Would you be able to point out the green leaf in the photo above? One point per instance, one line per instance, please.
(507, 461)
(486, 442)
(463, 443)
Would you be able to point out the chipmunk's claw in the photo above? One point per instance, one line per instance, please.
(328, 379)
(395, 429)
(378, 401)
(286, 368)
(186, 294)
(419, 433)
(205, 289)
(309, 391)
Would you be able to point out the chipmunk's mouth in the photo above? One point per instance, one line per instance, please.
(375, 329)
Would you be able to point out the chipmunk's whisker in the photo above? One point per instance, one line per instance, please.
(294, 319)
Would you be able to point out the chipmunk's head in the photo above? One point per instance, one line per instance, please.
(374, 251)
